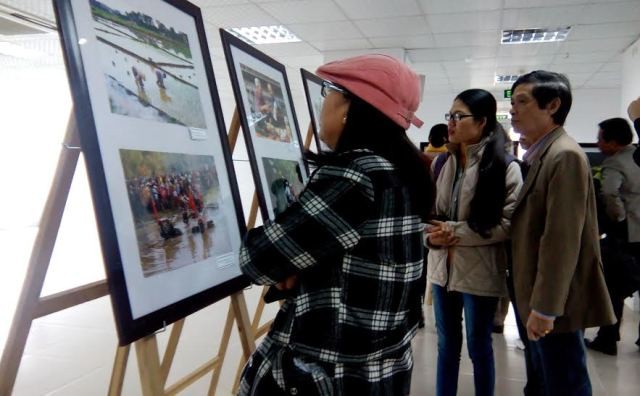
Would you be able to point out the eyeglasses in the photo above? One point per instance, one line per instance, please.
(328, 86)
(456, 117)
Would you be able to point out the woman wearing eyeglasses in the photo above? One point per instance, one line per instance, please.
(349, 254)
(477, 188)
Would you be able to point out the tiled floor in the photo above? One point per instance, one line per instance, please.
(72, 352)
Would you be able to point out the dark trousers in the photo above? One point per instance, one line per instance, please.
(478, 316)
(556, 364)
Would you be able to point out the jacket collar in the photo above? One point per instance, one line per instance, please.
(474, 151)
(535, 162)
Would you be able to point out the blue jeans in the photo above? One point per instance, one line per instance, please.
(478, 316)
(550, 358)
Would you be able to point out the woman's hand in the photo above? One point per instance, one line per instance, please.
(441, 234)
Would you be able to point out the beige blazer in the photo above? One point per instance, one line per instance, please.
(557, 268)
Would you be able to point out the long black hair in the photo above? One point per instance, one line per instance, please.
(491, 191)
(368, 128)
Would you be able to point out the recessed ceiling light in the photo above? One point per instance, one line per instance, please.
(275, 34)
(505, 78)
(527, 36)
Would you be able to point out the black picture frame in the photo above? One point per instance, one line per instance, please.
(281, 146)
(313, 92)
(190, 148)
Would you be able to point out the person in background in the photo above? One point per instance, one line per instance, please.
(348, 254)
(558, 282)
(476, 192)
(634, 115)
(438, 138)
(620, 194)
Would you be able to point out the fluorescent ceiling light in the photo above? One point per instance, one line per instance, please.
(275, 34)
(505, 78)
(527, 36)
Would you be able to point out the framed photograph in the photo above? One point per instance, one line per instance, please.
(269, 124)
(153, 137)
(313, 91)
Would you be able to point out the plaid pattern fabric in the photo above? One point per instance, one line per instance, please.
(355, 243)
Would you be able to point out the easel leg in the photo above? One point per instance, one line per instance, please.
(39, 261)
(149, 366)
(224, 343)
(119, 370)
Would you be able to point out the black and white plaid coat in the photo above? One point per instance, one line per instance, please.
(355, 243)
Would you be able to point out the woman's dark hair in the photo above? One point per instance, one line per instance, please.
(546, 87)
(491, 191)
(616, 129)
(438, 135)
(368, 128)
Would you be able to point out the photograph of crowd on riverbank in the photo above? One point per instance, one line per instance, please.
(284, 182)
(267, 112)
(174, 200)
(148, 66)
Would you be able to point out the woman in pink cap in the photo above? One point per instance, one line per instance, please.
(348, 255)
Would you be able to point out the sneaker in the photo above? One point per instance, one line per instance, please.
(600, 346)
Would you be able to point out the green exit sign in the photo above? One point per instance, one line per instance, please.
(507, 94)
(502, 117)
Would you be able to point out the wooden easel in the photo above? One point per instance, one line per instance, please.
(257, 329)
(153, 371)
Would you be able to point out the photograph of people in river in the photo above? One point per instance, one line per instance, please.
(174, 201)
(148, 65)
(284, 182)
(267, 112)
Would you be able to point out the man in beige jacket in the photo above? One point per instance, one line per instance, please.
(557, 272)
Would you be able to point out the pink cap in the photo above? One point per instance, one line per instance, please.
(380, 80)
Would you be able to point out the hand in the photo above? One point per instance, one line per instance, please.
(634, 109)
(441, 234)
(538, 327)
(288, 283)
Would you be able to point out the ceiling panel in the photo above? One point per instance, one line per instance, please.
(613, 44)
(375, 9)
(529, 50)
(588, 67)
(465, 22)
(451, 54)
(541, 3)
(390, 27)
(238, 16)
(471, 64)
(611, 12)
(551, 17)
(584, 57)
(341, 44)
(421, 41)
(458, 6)
(604, 30)
(304, 11)
(467, 39)
(210, 3)
(326, 30)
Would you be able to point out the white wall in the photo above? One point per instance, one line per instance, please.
(590, 107)
(630, 76)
